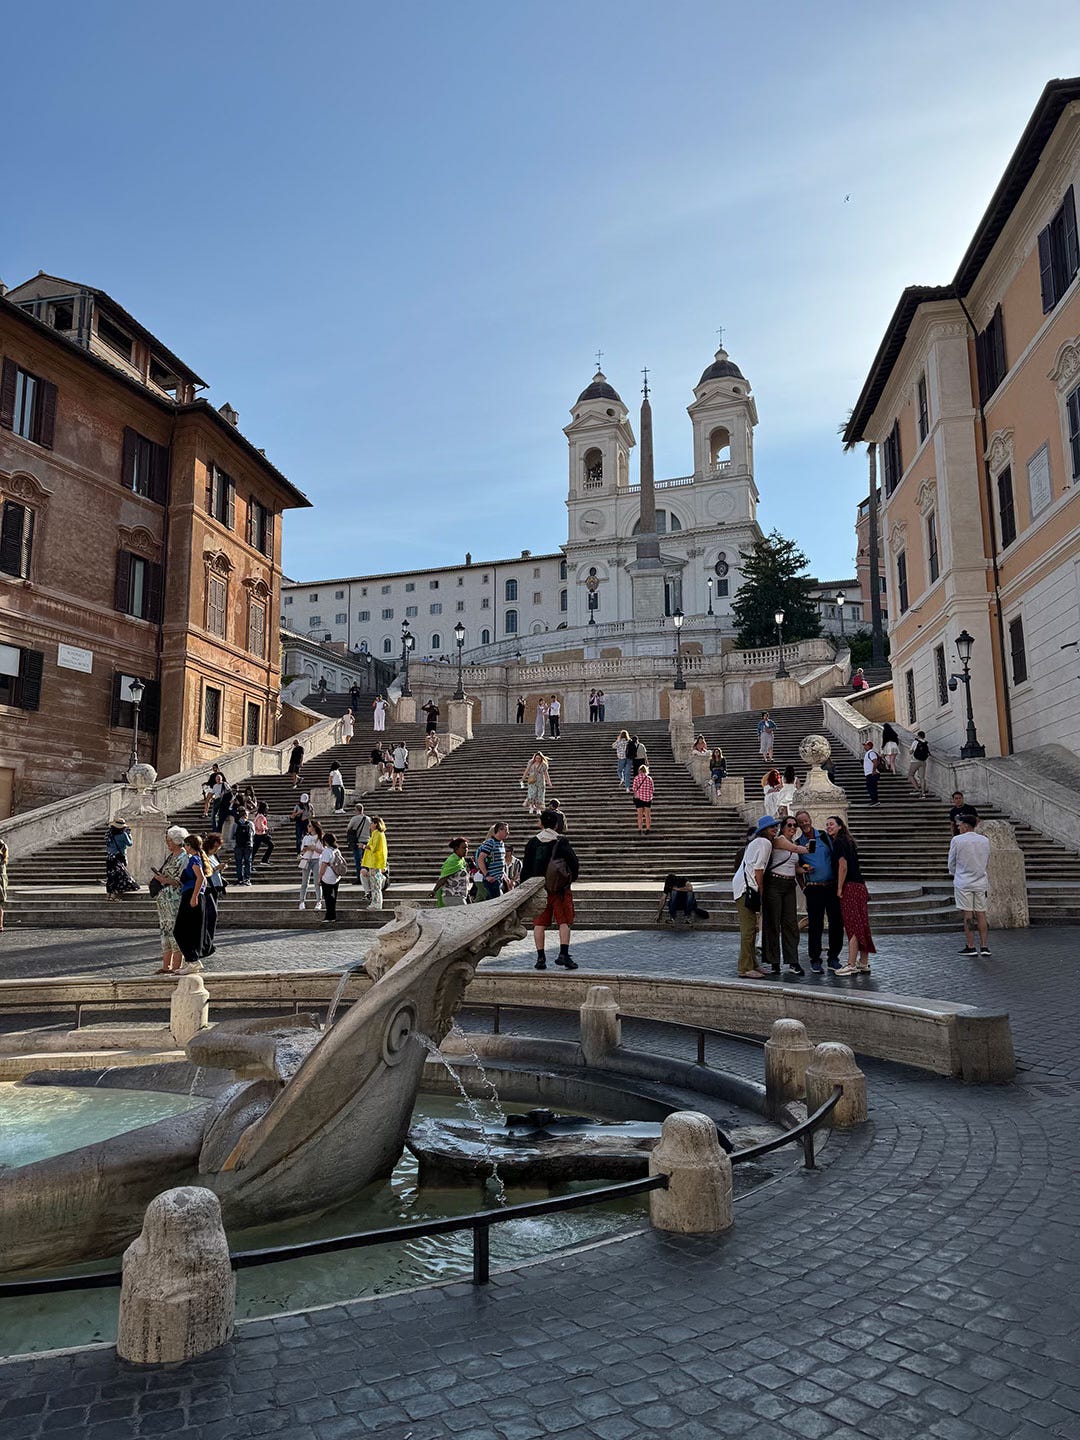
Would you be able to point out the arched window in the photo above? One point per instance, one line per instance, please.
(719, 447)
(664, 523)
(510, 625)
(388, 646)
(485, 637)
(593, 464)
(436, 643)
(511, 589)
(562, 600)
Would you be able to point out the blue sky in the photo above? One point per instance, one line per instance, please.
(393, 236)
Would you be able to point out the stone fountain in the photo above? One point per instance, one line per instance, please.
(312, 1116)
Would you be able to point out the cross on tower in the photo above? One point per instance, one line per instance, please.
(720, 334)
(645, 386)
(599, 355)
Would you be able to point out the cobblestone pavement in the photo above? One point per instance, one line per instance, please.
(922, 1283)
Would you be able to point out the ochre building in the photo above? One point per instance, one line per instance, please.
(140, 537)
(973, 401)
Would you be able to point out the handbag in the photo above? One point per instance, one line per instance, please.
(751, 896)
(156, 886)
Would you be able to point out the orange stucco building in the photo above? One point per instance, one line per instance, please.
(140, 537)
(973, 400)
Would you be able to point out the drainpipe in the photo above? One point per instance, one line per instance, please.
(160, 645)
(989, 485)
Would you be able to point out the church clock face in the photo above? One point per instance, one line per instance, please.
(722, 506)
(591, 523)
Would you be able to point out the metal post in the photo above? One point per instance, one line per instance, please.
(459, 693)
(680, 678)
(481, 1257)
(971, 749)
(781, 669)
(701, 1047)
(807, 1141)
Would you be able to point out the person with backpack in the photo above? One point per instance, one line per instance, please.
(817, 875)
(357, 834)
(243, 843)
(550, 855)
(262, 835)
(331, 869)
(301, 813)
(452, 886)
(920, 753)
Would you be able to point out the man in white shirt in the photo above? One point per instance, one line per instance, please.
(554, 712)
(870, 770)
(401, 764)
(969, 856)
(747, 880)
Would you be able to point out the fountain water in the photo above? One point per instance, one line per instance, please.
(107, 1071)
(499, 1189)
(346, 974)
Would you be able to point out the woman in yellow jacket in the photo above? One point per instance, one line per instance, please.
(373, 864)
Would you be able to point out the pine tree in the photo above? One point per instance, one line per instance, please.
(774, 579)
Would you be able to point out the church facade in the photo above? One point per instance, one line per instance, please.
(590, 599)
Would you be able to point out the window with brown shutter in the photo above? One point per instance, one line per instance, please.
(257, 628)
(16, 539)
(217, 593)
(145, 466)
(139, 586)
(990, 355)
(20, 677)
(1018, 651)
(1059, 253)
(27, 405)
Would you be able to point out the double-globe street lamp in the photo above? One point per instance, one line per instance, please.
(459, 640)
(677, 620)
(971, 749)
(782, 672)
(407, 642)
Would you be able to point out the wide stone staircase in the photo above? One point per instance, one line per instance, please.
(903, 843)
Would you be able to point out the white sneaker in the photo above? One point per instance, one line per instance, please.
(319, 906)
(301, 906)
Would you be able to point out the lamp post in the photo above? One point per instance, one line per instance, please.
(459, 640)
(840, 597)
(782, 672)
(677, 621)
(971, 749)
(407, 643)
(709, 583)
(135, 690)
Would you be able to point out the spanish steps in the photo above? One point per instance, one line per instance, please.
(903, 843)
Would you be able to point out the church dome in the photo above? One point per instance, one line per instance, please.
(599, 389)
(722, 368)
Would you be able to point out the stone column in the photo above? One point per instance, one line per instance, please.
(787, 1055)
(601, 1028)
(148, 833)
(189, 1009)
(818, 794)
(698, 1198)
(680, 724)
(460, 718)
(1007, 905)
(367, 780)
(178, 1295)
(733, 791)
(834, 1064)
(698, 765)
(405, 710)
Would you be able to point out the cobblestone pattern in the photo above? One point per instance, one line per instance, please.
(922, 1284)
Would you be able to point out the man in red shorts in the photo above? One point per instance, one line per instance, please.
(550, 855)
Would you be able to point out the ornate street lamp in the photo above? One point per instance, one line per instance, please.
(459, 640)
(677, 620)
(407, 643)
(840, 598)
(136, 689)
(709, 583)
(782, 672)
(971, 749)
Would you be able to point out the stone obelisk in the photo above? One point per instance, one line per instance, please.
(646, 570)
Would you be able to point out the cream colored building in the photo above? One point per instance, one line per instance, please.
(973, 401)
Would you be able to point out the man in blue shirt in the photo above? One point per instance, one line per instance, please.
(818, 873)
(491, 862)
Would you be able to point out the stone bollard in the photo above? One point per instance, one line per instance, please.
(834, 1064)
(601, 1028)
(189, 1009)
(178, 1295)
(787, 1054)
(698, 765)
(460, 718)
(404, 711)
(698, 1198)
(1006, 871)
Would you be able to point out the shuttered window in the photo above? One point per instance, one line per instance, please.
(941, 675)
(909, 683)
(892, 459)
(138, 586)
(1059, 253)
(145, 466)
(924, 409)
(1006, 507)
(257, 628)
(20, 677)
(932, 562)
(1018, 651)
(217, 595)
(990, 355)
(221, 496)
(260, 527)
(27, 404)
(1072, 410)
(16, 539)
(901, 581)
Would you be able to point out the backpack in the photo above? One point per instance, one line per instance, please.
(557, 876)
(921, 751)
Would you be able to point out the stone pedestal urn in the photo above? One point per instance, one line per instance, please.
(698, 1198)
(834, 1064)
(818, 794)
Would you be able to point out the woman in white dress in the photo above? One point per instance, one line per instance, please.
(378, 705)
(541, 719)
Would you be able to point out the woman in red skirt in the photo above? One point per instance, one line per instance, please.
(851, 892)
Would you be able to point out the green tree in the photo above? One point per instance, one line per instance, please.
(774, 579)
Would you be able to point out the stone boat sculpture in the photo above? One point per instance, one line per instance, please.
(314, 1115)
